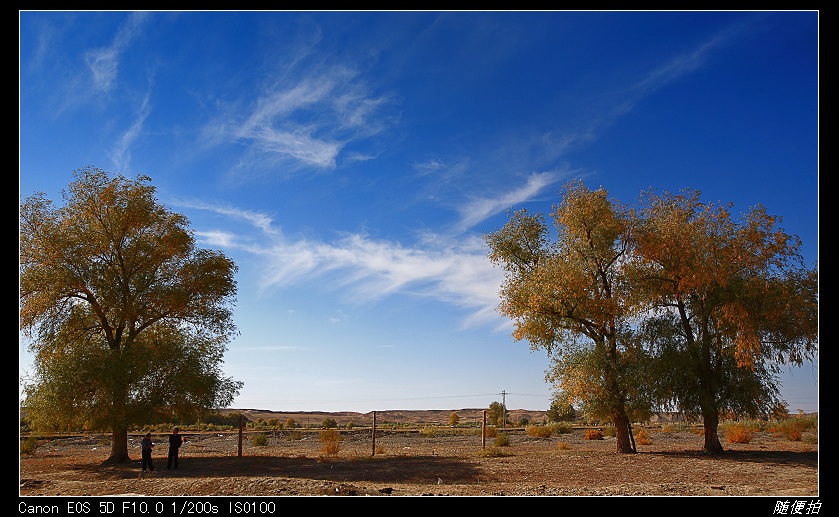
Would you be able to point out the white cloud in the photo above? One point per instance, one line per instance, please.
(366, 270)
(103, 63)
(309, 119)
(480, 209)
(121, 153)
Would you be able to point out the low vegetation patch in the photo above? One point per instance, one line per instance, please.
(29, 446)
(502, 440)
(561, 427)
(642, 437)
(594, 434)
(330, 442)
(539, 431)
(428, 431)
(793, 428)
(738, 433)
(493, 452)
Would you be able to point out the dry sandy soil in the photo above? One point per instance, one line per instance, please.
(414, 464)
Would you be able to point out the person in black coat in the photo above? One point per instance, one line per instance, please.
(175, 442)
(146, 446)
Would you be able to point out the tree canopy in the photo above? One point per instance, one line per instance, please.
(673, 304)
(570, 297)
(730, 301)
(127, 318)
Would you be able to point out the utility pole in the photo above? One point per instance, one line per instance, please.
(503, 409)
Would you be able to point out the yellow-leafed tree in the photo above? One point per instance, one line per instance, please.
(127, 319)
(730, 301)
(568, 297)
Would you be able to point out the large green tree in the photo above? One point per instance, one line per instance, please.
(569, 297)
(730, 301)
(128, 320)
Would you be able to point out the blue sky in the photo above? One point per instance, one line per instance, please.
(350, 163)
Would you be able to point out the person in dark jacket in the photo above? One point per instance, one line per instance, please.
(146, 446)
(175, 442)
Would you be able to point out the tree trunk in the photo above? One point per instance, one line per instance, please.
(712, 440)
(118, 414)
(119, 447)
(623, 437)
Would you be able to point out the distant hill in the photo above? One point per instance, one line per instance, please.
(420, 417)
(400, 416)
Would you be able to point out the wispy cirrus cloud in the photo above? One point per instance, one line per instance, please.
(103, 62)
(363, 269)
(306, 120)
(121, 152)
(479, 209)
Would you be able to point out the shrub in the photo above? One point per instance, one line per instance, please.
(561, 427)
(502, 440)
(593, 434)
(428, 432)
(294, 435)
(794, 434)
(540, 431)
(609, 430)
(259, 440)
(793, 428)
(493, 452)
(563, 446)
(752, 425)
(29, 446)
(330, 442)
(643, 437)
(491, 431)
(737, 433)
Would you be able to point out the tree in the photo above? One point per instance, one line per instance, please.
(128, 320)
(495, 414)
(570, 298)
(730, 302)
(560, 411)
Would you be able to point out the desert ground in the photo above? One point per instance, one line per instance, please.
(404, 463)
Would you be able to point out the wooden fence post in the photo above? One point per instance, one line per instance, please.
(241, 426)
(374, 434)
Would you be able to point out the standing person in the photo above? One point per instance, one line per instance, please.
(146, 446)
(175, 441)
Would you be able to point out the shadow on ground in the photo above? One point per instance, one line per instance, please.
(405, 469)
(803, 458)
